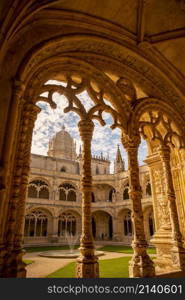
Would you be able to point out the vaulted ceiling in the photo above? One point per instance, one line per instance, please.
(160, 22)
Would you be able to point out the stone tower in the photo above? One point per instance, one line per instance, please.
(119, 165)
(62, 146)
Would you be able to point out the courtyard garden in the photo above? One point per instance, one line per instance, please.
(107, 248)
(110, 267)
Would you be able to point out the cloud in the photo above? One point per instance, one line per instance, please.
(50, 121)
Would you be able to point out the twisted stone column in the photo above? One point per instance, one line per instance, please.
(87, 263)
(140, 265)
(178, 252)
(16, 267)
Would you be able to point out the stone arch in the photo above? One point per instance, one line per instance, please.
(93, 197)
(102, 225)
(154, 104)
(149, 222)
(36, 222)
(126, 191)
(69, 224)
(171, 138)
(67, 192)
(108, 211)
(112, 195)
(130, 61)
(68, 181)
(38, 188)
(41, 178)
(97, 170)
(63, 169)
(104, 192)
(29, 93)
(71, 196)
(125, 228)
(69, 210)
(47, 210)
(148, 189)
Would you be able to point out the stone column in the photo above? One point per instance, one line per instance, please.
(116, 230)
(87, 263)
(178, 252)
(54, 230)
(16, 268)
(6, 169)
(140, 265)
(162, 238)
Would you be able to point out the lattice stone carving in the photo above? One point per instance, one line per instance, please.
(127, 88)
(77, 84)
(162, 128)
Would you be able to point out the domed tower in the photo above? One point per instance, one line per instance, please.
(62, 145)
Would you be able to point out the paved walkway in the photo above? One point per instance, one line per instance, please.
(44, 266)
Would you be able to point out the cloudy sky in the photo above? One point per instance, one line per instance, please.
(50, 121)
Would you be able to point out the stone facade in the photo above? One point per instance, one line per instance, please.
(54, 196)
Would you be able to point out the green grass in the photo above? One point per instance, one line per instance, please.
(109, 248)
(109, 268)
(28, 261)
(124, 249)
(47, 248)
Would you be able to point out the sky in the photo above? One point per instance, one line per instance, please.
(105, 140)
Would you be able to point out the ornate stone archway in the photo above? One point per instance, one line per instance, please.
(31, 78)
(164, 128)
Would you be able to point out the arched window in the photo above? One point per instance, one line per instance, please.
(77, 168)
(97, 170)
(92, 197)
(110, 228)
(63, 169)
(93, 227)
(38, 189)
(36, 224)
(32, 191)
(62, 195)
(67, 192)
(148, 189)
(151, 224)
(67, 225)
(126, 194)
(111, 195)
(71, 196)
(127, 224)
(44, 192)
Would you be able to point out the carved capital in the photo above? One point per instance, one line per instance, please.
(86, 128)
(130, 143)
(165, 153)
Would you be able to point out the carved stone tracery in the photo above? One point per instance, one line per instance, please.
(76, 83)
(158, 125)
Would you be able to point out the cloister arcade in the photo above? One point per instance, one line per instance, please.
(149, 120)
(42, 226)
(125, 76)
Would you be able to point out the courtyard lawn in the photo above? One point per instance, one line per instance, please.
(108, 248)
(28, 261)
(47, 248)
(109, 268)
(124, 249)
